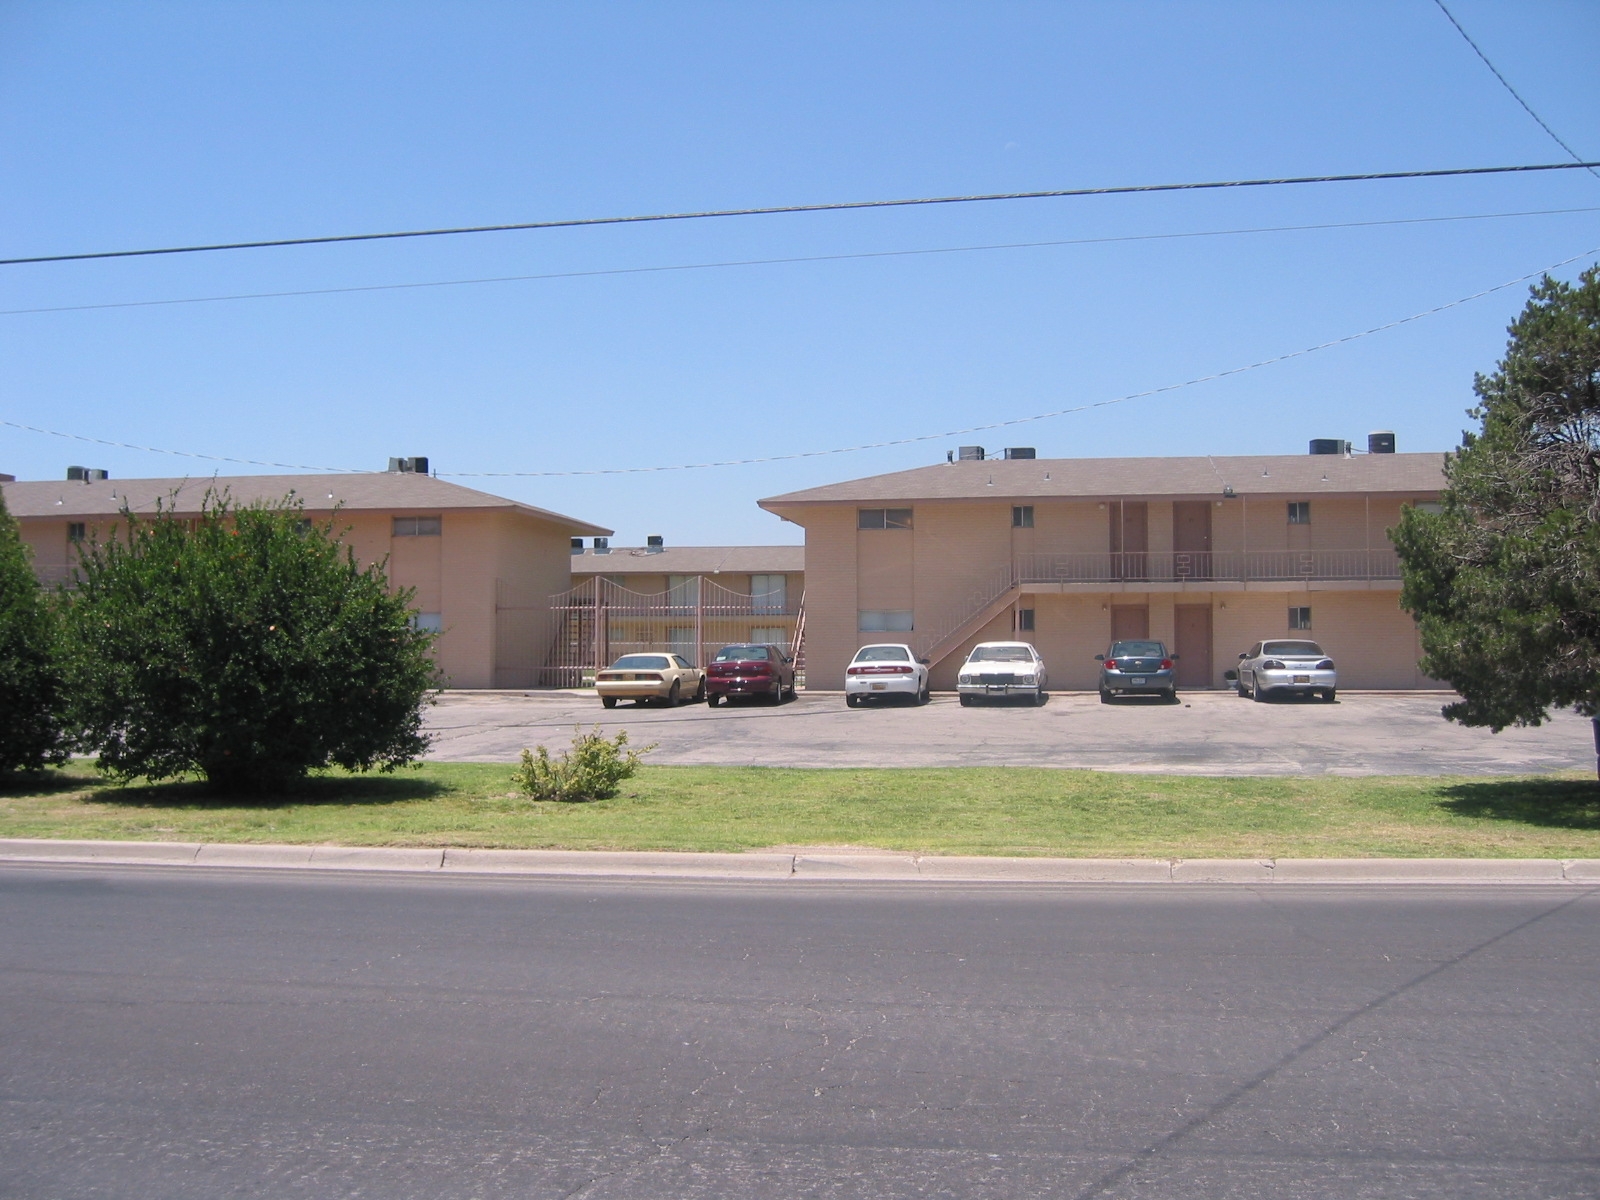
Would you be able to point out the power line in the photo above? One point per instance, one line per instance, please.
(1515, 95)
(763, 262)
(799, 208)
(906, 441)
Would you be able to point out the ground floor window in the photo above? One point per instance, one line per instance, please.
(1300, 618)
(428, 622)
(1024, 620)
(883, 620)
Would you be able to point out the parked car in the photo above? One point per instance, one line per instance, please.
(884, 671)
(1137, 668)
(752, 670)
(646, 677)
(1285, 668)
(1000, 669)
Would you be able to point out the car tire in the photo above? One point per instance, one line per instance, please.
(1040, 697)
(966, 701)
(926, 694)
(852, 701)
(1172, 695)
(713, 699)
(700, 692)
(674, 695)
(789, 692)
(608, 701)
(1329, 694)
(1257, 693)
(775, 696)
(1105, 696)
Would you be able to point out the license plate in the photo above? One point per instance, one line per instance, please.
(1137, 679)
(1302, 679)
(879, 687)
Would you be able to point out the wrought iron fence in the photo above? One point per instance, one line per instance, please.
(1254, 566)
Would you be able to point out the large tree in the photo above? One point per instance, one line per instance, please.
(247, 645)
(30, 668)
(1504, 580)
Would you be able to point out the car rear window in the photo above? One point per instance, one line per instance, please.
(1293, 649)
(1138, 650)
(882, 654)
(640, 662)
(742, 654)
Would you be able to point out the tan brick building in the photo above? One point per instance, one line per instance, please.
(690, 599)
(483, 566)
(1207, 554)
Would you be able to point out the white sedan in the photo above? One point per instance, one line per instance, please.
(884, 671)
(1000, 669)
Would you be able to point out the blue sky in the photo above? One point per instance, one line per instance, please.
(154, 124)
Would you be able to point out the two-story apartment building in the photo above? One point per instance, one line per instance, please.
(689, 599)
(1209, 554)
(482, 566)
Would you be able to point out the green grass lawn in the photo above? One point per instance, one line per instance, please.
(962, 810)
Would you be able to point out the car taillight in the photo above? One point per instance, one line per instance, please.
(879, 670)
(1111, 664)
(1166, 664)
(1325, 665)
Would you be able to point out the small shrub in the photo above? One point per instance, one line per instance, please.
(591, 770)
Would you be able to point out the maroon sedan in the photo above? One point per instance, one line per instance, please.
(763, 670)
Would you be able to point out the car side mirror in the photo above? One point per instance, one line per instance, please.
(1099, 658)
(925, 661)
(1174, 657)
(1243, 654)
(1231, 675)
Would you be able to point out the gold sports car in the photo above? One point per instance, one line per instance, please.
(646, 677)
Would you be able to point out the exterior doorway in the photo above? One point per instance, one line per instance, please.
(1191, 629)
(1130, 622)
(1191, 539)
(1130, 539)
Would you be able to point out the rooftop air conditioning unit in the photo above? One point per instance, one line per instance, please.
(1020, 452)
(1329, 446)
(417, 465)
(1380, 441)
(655, 544)
(970, 453)
(602, 545)
(577, 545)
(87, 474)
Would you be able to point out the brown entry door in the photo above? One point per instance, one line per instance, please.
(1192, 644)
(1191, 539)
(1130, 622)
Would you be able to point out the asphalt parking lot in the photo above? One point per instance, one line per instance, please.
(1208, 733)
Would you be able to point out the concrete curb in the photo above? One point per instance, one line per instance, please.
(820, 865)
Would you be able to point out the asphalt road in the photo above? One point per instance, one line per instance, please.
(218, 1034)
(1209, 733)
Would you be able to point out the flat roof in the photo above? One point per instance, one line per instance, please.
(1099, 478)
(692, 560)
(380, 490)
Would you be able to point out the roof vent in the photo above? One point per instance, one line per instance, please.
(577, 545)
(655, 544)
(602, 545)
(970, 453)
(1020, 452)
(417, 465)
(1380, 441)
(87, 474)
(1330, 446)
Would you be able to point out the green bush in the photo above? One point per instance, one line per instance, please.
(246, 645)
(30, 662)
(591, 770)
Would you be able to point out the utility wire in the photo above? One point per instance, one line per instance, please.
(1515, 95)
(800, 208)
(906, 441)
(763, 262)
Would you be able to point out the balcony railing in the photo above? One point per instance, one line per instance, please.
(1253, 566)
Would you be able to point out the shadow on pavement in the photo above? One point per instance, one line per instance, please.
(1562, 803)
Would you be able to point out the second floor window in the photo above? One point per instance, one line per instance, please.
(769, 593)
(883, 518)
(1022, 516)
(1299, 512)
(416, 526)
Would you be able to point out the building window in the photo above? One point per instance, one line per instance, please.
(884, 620)
(428, 622)
(416, 526)
(1022, 516)
(883, 518)
(1300, 618)
(680, 640)
(775, 635)
(1024, 620)
(769, 593)
(76, 531)
(683, 592)
(1299, 512)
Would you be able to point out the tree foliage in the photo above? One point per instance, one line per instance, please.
(1505, 581)
(247, 645)
(30, 666)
